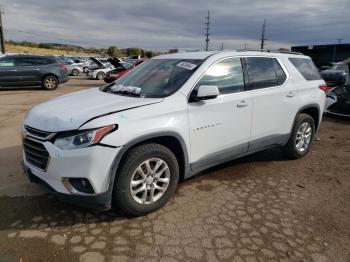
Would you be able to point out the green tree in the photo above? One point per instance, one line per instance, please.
(133, 51)
(113, 51)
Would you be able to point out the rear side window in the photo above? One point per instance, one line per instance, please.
(261, 72)
(33, 61)
(226, 74)
(280, 74)
(306, 67)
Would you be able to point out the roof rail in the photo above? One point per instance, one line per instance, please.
(269, 51)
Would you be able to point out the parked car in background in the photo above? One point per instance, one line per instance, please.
(338, 98)
(172, 117)
(121, 70)
(73, 68)
(31, 70)
(336, 75)
(338, 101)
(100, 72)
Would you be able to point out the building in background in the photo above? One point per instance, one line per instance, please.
(323, 54)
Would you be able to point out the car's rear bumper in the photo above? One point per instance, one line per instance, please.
(64, 79)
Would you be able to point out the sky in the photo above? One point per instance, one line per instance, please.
(163, 25)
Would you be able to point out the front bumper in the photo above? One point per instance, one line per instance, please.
(101, 202)
(91, 163)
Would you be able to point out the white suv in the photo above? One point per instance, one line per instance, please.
(129, 143)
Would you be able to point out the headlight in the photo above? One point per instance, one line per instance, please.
(83, 138)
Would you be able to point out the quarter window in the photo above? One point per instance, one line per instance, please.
(226, 74)
(306, 67)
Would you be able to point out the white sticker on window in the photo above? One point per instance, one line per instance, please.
(186, 65)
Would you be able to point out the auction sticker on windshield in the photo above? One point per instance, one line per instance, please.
(186, 65)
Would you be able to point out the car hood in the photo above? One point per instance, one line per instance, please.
(70, 111)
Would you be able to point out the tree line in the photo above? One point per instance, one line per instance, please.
(110, 51)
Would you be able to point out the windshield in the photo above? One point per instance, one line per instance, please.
(339, 66)
(155, 78)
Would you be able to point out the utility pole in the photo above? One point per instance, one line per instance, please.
(245, 46)
(339, 40)
(263, 35)
(207, 32)
(2, 40)
(335, 49)
(222, 46)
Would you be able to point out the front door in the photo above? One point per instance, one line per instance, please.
(8, 72)
(220, 127)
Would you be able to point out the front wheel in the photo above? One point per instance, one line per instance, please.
(146, 180)
(302, 136)
(49, 82)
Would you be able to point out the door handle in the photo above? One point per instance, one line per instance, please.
(290, 94)
(243, 103)
(13, 70)
(37, 69)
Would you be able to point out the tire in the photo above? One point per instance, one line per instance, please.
(298, 137)
(100, 75)
(137, 205)
(50, 82)
(85, 69)
(75, 72)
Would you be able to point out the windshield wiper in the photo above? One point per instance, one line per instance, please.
(126, 92)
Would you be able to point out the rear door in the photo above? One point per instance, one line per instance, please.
(28, 69)
(275, 101)
(8, 72)
(220, 127)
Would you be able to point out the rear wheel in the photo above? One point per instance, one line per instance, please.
(303, 134)
(49, 82)
(100, 75)
(146, 180)
(75, 72)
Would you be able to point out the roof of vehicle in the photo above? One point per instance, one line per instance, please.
(31, 56)
(206, 54)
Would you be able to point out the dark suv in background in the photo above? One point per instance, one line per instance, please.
(30, 70)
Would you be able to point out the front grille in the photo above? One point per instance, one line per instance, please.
(38, 133)
(35, 153)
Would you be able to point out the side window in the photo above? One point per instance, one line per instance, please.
(227, 75)
(281, 75)
(23, 61)
(261, 72)
(306, 67)
(7, 62)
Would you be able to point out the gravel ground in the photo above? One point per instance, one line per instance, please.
(259, 208)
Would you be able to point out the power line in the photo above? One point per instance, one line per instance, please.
(207, 32)
(48, 36)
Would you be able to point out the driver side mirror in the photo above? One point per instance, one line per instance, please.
(207, 92)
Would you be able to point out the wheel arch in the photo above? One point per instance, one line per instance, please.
(50, 74)
(169, 139)
(314, 111)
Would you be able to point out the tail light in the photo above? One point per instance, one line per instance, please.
(324, 88)
(63, 67)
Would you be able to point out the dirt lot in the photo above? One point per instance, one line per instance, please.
(259, 208)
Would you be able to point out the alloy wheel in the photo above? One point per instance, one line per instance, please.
(50, 83)
(150, 181)
(303, 137)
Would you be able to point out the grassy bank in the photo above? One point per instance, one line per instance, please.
(41, 51)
